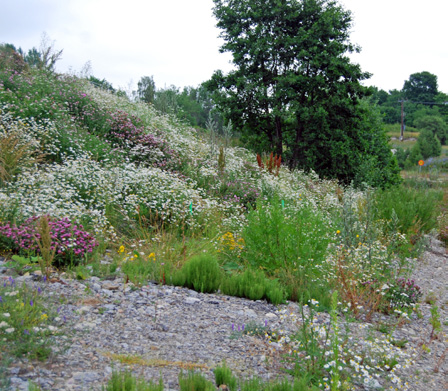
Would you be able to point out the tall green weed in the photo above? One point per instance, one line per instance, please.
(415, 209)
(288, 237)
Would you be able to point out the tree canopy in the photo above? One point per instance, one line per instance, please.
(421, 87)
(294, 90)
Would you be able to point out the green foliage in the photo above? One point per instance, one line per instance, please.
(33, 387)
(126, 381)
(402, 294)
(297, 107)
(194, 382)
(414, 156)
(421, 87)
(223, 376)
(435, 321)
(254, 285)
(166, 100)
(221, 161)
(256, 384)
(436, 124)
(402, 155)
(389, 104)
(103, 84)
(415, 212)
(285, 237)
(429, 144)
(140, 270)
(11, 58)
(27, 324)
(202, 273)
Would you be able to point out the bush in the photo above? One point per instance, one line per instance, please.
(253, 285)
(429, 144)
(194, 382)
(202, 273)
(238, 191)
(403, 293)
(70, 242)
(414, 211)
(125, 381)
(402, 155)
(223, 376)
(289, 237)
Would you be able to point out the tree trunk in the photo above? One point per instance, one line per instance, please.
(296, 146)
(279, 136)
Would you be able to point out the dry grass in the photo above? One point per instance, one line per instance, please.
(153, 362)
(406, 135)
(15, 156)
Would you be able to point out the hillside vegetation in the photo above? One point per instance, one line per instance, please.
(86, 173)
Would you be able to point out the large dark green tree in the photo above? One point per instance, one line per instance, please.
(421, 87)
(294, 90)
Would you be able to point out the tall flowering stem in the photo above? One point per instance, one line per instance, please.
(46, 246)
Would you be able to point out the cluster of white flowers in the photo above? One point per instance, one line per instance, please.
(365, 361)
(4, 326)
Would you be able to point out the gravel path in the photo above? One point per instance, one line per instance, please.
(161, 330)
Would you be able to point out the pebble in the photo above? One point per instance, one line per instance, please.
(164, 329)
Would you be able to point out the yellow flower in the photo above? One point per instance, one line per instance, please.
(152, 255)
(44, 317)
(121, 249)
(338, 232)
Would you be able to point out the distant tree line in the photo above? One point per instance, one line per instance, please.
(295, 93)
(425, 110)
(43, 58)
(194, 105)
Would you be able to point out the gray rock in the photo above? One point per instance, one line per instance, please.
(87, 377)
(111, 286)
(192, 300)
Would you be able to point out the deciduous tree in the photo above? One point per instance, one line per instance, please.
(421, 87)
(294, 89)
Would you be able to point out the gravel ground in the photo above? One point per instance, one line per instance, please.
(161, 330)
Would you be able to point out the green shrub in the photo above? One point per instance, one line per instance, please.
(415, 210)
(195, 382)
(285, 237)
(202, 273)
(255, 384)
(223, 376)
(27, 322)
(429, 144)
(253, 285)
(126, 381)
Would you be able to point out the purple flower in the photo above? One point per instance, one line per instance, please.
(31, 303)
(233, 327)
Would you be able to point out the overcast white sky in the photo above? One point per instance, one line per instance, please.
(176, 41)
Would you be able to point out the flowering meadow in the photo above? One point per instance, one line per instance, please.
(115, 175)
